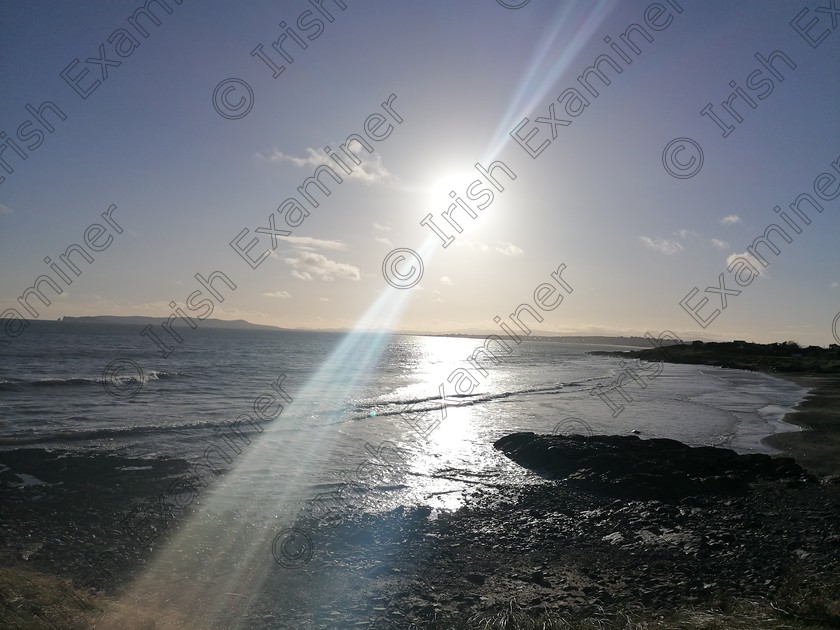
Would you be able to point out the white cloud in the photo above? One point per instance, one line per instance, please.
(383, 240)
(834, 285)
(324, 299)
(502, 247)
(369, 171)
(508, 249)
(300, 275)
(750, 259)
(278, 294)
(716, 242)
(5, 209)
(311, 265)
(307, 242)
(686, 233)
(382, 228)
(661, 245)
(446, 280)
(732, 219)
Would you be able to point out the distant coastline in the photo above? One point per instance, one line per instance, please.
(241, 324)
(137, 320)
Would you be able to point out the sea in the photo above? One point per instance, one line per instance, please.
(295, 415)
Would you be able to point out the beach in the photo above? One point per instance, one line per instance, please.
(558, 551)
(817, 446)
(96, 537)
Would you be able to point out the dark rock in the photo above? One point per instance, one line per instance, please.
(658, 469)
(475, 578)
(538, 577)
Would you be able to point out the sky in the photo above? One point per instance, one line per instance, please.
(199, 145)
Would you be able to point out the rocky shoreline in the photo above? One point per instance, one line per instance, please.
(618, 526)
(634, 526)
(72, 515)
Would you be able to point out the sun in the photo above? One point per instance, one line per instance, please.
(440, 187)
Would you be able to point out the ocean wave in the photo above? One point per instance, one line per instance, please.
(418, 405)
(18, 384)
(82, 435)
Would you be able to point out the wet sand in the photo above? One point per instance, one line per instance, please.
(817, 447)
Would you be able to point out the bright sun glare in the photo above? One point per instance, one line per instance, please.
(440, 187)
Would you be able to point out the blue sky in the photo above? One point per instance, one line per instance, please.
(635, 239)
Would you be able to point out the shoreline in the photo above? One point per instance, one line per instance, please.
(816, 446)
(591, 557)
(566, 549)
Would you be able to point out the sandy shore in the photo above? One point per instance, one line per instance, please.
(817, 447)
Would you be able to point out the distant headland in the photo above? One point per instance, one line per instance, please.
(137, 320)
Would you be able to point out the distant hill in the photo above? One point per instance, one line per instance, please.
(743, 355)
(241, 324)
(604, 340)
(136, 320)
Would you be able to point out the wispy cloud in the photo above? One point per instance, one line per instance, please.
(750, 259)
(311, 265)
(716, 242)
(307, 242)
(501, 247)
(5, 209)
(283, 295)
(835, 284)
(508, 249)
(383, 240)
(686, 233)
(381, 228)
(732, 219)
(370, 171)
(446, 280)
(663, 246)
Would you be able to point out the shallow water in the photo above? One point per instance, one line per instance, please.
(387, 420)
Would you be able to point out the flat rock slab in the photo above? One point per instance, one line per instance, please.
(658, 469)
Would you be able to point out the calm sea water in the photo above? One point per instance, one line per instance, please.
(351, 397)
